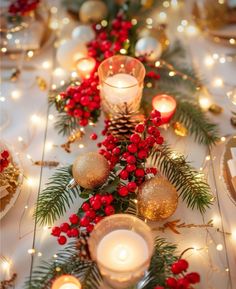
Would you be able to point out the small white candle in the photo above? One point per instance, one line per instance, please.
(120, 88)
(69, 286)
(122, 250)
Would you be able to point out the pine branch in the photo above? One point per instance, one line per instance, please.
(69, 263)
(159, 270)
(192, 117)
(189, 183)
(65, 124)
(56, 198)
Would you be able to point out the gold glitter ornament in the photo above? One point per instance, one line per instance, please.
(90, 170)
(180, 129)
(157, 199)
(92, 11)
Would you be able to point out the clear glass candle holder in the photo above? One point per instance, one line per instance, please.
(121, 81)
(122, 246)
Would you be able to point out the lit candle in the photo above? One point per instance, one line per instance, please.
(166, 105)
(66, 282)
(85, 66)
(121, 81)
(120, 88)
(122, 246)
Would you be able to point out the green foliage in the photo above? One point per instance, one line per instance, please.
(189, 183)
(69, 263)
(56, 198)
(65, 124)
(159, 270)
(197, 123)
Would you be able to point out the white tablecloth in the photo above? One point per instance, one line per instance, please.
(37, 137)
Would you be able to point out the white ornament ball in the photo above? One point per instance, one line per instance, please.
(92, 11)
(83, 33)
(149, 47)
(70, 52)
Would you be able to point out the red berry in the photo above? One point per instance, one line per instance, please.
(130, 168)
(159, 287)
(5, 154)
(152, 130)
(183, 283)
(155, 113)
(96, 204)
(139, 172)
(89, 228)
(125, 155)
(150, 140)
(85, 207)
(56, 231)
(171, 282)
(93, 136)
(61, 240)
(153, 171)
(124, 175)
(109, 210)
(64, 227)
(98, 219)
(84, 222)
(131, 160)
(132, 148)
(116, 151)
(74, 219)
(83, 122)
(74, 232)
(91, 214)
(142, 154)
(183, 264)
(123, 191)
(69, 234)
(160, 140)
(105, 200)
(4, 163)
(140, 128)
(135, 138)
(193, 277)
(131, 186)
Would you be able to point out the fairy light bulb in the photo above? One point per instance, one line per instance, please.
(218, 82)
(208, 61)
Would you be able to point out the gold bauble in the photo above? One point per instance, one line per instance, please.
(90, 170)
(157, 199)
(92, 11)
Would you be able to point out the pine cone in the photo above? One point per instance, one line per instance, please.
(82, 246)
(123, 122)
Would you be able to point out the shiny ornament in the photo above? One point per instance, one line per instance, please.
(149, 47)
(180, 129)
(70, 52)
(83, 33)
(159, 33)
(215, 109)
(90, 170)
(92, 11)
(157, 199)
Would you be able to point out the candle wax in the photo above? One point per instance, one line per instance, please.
(166, 105)
(120, 88)
(85, 66)
(69, 286)
(122, 250)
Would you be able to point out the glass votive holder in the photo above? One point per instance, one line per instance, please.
(122, 246)
(121, 81)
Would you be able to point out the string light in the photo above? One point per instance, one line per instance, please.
(74, 74)
(35, 119)
(223, 139)
(50, 116)
(46, 64)
(81, 146)
(166, 4)
(48, 146)
(2, 98)
(31, 251)
(219, 247)
(30, 181)
(15, 94)
(191, 30)
(233, 235)
(53, 10)
(218, 82)
(30, 53)
(39, 254)
(208, 61)
(180, 28)
(20, 139)
(232, 41)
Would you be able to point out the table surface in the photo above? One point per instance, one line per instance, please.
(30, 130)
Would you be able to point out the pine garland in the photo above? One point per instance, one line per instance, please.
(68, 262)
(65, 124)
(197, 123)
(56, 198)
(189, 183)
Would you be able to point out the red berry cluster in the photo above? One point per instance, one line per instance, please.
(23, 7)
(4, 160)
(183, 281)
(70, 230)
(108, 43)
(152, 74)
(131, 156)
(83, 101)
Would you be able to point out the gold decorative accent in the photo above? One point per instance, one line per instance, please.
(180, 129)
(90, 170)
(157, 199)
(41, 82)
(215, 109)
(15, 74)
(73, 137)
(50, 164)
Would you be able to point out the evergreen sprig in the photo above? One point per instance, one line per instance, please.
(65, 124)
(69, 263)
(159, 270)
(56, 198)
(190, 184)
(191, 116)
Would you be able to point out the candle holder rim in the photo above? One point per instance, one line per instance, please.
(97, 227)
(75, 280)
(164, 95)
(124, 87)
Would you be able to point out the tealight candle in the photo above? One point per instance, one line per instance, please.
(166, 105)
(85, 66)
(122, 246)
(121, 81)
(66, 282)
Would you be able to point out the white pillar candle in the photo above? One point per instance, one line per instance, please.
(122, 250)
(120, 88)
